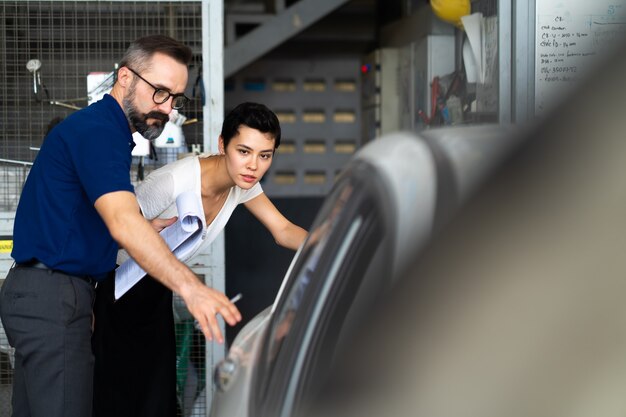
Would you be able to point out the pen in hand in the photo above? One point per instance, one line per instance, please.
(232, 300)
(236, 298)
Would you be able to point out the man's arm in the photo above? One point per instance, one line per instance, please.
(121, 214)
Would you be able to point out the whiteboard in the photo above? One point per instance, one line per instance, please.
(571, 36)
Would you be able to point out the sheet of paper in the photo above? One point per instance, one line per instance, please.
(181, 237)
(471, 70)
(473, 28)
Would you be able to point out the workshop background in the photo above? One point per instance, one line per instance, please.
(338, 73)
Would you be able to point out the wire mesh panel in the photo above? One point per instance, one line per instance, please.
(191, 375)
(49, 52)
(49, 49)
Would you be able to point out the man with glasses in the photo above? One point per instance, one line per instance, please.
(77, 207)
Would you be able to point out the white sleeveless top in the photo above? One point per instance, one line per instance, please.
(157, 198)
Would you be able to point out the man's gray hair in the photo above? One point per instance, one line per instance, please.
(139, 53)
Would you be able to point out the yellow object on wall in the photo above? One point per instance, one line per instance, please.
(6, 246)
(451, 11)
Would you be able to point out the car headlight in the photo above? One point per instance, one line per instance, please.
(224, 373)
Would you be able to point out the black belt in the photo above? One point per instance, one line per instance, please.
(90, 279)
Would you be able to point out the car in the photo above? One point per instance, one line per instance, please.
(387, 202)
(517, 306)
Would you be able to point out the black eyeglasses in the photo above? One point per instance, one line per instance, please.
(160, 96)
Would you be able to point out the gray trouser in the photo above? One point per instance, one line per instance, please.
(47, 319)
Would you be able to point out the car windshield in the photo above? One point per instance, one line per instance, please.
(323, 282)
(312, 251)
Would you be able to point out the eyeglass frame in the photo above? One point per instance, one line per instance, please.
(157, 90)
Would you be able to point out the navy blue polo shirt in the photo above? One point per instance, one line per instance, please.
(84, 157)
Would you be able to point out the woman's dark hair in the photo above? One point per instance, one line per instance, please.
(139, 53)
(254, 115)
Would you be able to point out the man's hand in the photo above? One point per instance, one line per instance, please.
(121, 214)
(160, 224)
(205, 303)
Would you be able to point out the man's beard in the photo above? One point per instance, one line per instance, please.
(139, 120)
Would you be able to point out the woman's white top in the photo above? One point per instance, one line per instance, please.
(157, 198)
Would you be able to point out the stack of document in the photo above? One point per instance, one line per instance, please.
(182, 238)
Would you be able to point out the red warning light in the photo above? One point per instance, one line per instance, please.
(365, 68)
